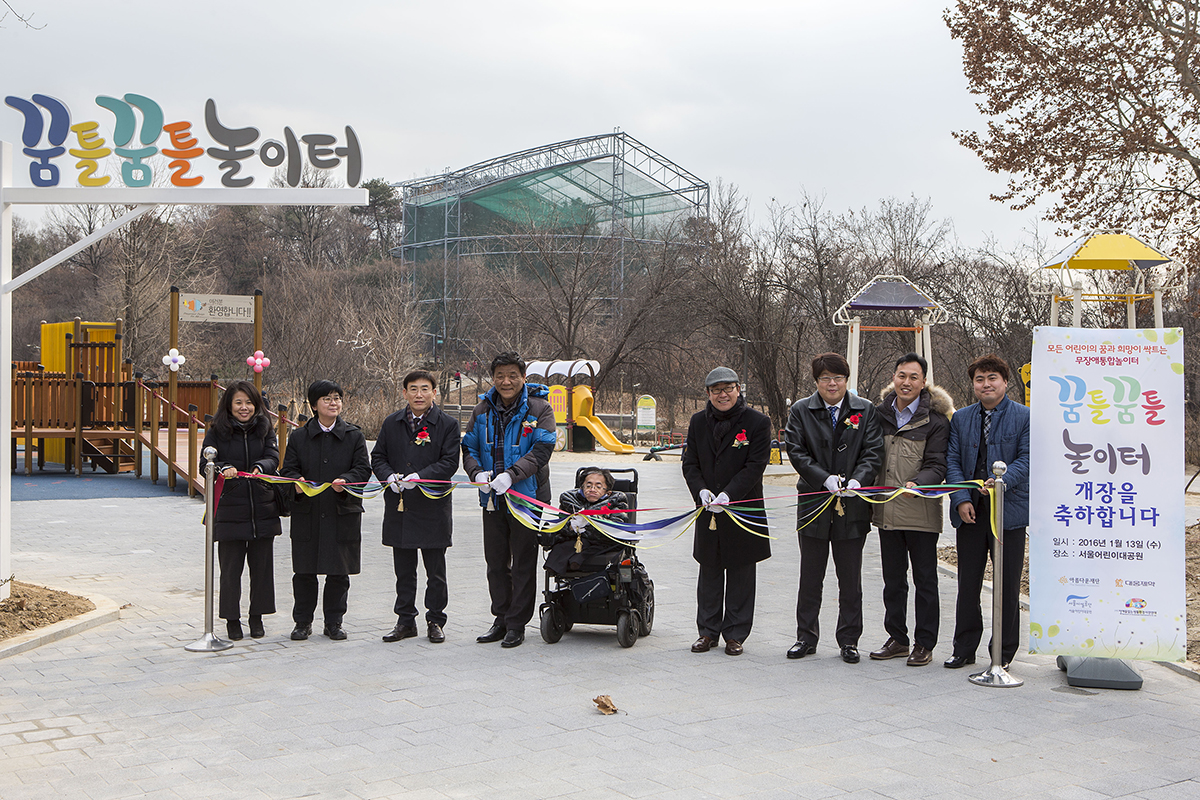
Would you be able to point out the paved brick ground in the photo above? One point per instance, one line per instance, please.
(124, 711)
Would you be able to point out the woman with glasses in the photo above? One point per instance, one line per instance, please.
(728, 446)
(326, 528)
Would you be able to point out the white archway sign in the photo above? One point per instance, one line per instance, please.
(143, 200)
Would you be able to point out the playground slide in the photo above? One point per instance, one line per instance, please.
(582, 414)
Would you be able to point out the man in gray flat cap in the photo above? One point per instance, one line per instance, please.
(728, 446)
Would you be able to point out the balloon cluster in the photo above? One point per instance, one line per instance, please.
(173, 360)
(258, 361)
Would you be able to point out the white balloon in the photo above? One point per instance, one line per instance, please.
(166, 359)
(180, 360)
(174, 368)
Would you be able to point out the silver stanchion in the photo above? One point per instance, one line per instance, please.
(210, 643)
(996, 674)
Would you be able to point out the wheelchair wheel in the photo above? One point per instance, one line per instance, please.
(646, 611)
(567, 625)
(552, 623)
(627, 628)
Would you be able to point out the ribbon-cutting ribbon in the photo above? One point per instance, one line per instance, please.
(539, 516)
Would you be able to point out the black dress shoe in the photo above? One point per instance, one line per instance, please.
(891, 649)
(801, 649)
(401, 632)
(436, 634)
(733, 647)
(256, 627)
(849, 654)
(234, 629)
(335, 632)
(704, 644)
(513, 638)
(958, 662)
(494, 633)
(301, 632)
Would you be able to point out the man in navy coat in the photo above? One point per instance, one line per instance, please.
(993, 429)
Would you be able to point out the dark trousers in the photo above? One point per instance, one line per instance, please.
(974, 545)
(725, 601)
(898, 549)
(233, 556)
(511, 552)
(847, 563)
(437, 593)
(337, 594)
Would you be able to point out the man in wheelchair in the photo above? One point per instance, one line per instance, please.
(582, 544)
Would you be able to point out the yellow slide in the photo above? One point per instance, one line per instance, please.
(581, 411)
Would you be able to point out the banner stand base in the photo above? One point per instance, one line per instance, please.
(1100, 673)
(209, 644)
(997, 677)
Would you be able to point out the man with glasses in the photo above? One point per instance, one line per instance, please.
(728, 446)
(835, 443)
(419, 442)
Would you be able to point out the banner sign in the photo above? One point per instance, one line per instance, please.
(216, 308)
(138, 122)
(647, 410)
(1106, 543)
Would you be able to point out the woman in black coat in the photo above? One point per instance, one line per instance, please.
(246, 520)
(326, 529)
(728, 446)
(582, 543)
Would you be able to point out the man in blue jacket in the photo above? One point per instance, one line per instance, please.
(994, 429)
(509, 440)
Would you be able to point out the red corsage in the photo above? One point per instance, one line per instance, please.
(740, 440)
(526, 428)
(853, 420)
(422, 437)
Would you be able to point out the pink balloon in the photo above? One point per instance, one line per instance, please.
(266, 362)
(258, 353)
(257, 368)
(250, 361)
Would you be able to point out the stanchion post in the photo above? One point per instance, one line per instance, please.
(209, 643)
(996, 674)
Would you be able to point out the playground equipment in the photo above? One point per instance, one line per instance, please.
(890, 293)
(574, 405)
(1106, 251)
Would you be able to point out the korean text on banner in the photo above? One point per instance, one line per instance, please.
(1106, 544)
(216, 308)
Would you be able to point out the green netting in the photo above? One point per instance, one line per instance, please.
(563, 197)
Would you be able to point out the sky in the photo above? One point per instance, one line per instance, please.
(852, 101)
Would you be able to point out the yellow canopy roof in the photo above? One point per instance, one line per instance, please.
(1107, 251)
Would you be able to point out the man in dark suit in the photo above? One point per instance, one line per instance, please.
(728, 446)
(419, 442)
(994, 429)
(835, 443)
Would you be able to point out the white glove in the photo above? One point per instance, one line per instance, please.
(408, 483)
(706, 497)
(833, 484)
(502, 483)
(578, 524)
(719, 503)
(851, 484)
(393, 483)
(483, 477)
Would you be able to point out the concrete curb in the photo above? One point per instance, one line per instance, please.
(1188, 669)
(106, 611)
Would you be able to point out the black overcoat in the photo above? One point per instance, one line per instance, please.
(247, 508)
(425, 523)
(327, 528)
(817, 451)
(594, 544)
(737, 471)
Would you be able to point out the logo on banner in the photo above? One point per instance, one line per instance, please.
(138, 122)
(1079, 604)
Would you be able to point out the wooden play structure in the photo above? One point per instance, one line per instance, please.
(580, 428)
(84, 404)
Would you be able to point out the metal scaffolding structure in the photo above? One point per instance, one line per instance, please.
(611, 186)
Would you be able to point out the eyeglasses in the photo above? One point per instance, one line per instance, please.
(716, 391)
(831, 380)
(331, 399)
